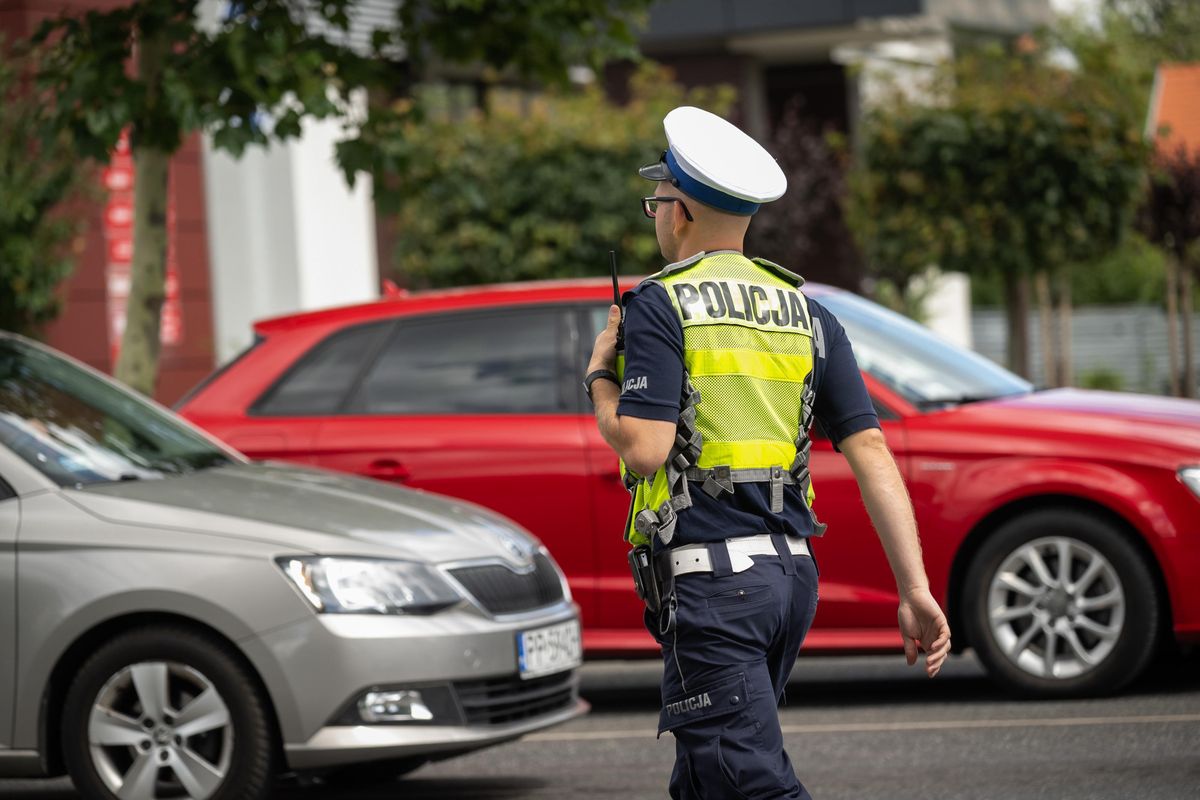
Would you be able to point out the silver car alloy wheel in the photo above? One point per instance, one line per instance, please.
(1056, 607)
(160, 729)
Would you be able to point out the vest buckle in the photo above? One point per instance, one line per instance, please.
(719, 479)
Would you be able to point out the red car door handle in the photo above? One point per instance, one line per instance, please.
(388, 469)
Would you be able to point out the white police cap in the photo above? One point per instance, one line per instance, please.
(713, 161)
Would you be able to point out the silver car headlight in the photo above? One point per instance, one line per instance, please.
(368, 586)
(1191, 479)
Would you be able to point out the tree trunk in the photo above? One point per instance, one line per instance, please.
(137, 363)
(1041, 285)
(1186, 312)
(1016, 290)
(1063, 370)
(1173, 324)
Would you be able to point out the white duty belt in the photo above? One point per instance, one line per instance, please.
(695, 558)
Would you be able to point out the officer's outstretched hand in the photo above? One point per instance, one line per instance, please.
(924, 626)
(604, 354)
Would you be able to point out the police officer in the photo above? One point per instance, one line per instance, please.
(726, 364)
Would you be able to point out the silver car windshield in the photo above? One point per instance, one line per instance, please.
(78, 428)
(922, 368)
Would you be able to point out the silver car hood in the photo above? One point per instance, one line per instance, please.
(310, 510)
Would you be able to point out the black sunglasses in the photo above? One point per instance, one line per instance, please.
(650, 206)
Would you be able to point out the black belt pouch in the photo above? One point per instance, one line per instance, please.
(645, 583)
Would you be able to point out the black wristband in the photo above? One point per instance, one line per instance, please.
(599, 374)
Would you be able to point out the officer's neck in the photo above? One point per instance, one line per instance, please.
(690, 246)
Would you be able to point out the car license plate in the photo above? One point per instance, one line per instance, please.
(549, 650)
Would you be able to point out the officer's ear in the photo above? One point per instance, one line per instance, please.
(679, 220)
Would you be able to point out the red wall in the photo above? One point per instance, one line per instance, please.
(82, 328)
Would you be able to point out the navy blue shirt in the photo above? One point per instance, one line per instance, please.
(652, 386)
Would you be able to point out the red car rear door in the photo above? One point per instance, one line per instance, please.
(284, 422)
(858, 593)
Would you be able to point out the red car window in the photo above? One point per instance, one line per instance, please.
(492, 363)
(323, 377)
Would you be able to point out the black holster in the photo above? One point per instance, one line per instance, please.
(645, 579)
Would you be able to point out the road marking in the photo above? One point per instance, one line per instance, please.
(888, 727)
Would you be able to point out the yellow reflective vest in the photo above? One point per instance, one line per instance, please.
(746, 401)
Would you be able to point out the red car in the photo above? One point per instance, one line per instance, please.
(1061, 528)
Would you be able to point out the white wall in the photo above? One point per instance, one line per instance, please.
(285, 232)
(907, 66)
(947, 305)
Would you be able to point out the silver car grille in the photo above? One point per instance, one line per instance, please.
(502, 700)
(501, 590)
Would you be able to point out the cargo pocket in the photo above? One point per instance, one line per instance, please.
(722, 697)
(711, 770)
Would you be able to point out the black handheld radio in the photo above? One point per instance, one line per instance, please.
(612, 260)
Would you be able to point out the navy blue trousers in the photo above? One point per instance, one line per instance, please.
(729, 642)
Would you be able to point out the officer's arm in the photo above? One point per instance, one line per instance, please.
(922, 623)
(643, 444)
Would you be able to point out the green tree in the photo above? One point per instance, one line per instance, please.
(535, 188)
(1012, 167)
(1171, 218)
(148, 67)
(1137, 35)
(1133, 39)
(36, 178)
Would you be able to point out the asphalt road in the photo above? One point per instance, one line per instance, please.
(857, 729)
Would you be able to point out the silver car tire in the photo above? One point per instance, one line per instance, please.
(1061, 603)
(167, 712)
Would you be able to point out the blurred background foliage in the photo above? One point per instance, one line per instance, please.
(1132, 272)
(38, 236)
(1022, 165)
(806, 224)
(1007, 166)
(533, 186)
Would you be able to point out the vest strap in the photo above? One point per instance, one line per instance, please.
(799, 469)
(742, 475)
(684, 453)
(786, 274)
(777, 490)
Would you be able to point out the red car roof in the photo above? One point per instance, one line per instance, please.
(467, 297)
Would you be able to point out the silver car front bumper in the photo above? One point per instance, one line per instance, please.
(334, 746)
(316, 669)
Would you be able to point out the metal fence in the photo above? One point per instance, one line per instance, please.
(1128, 341)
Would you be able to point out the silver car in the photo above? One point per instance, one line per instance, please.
(178, 622)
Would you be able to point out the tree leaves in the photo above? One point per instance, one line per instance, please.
(1022, 167)
(296, 59)
(37, 236)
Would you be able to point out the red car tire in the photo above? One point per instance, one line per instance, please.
(1098, 617)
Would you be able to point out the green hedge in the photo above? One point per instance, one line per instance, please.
(536, 187)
